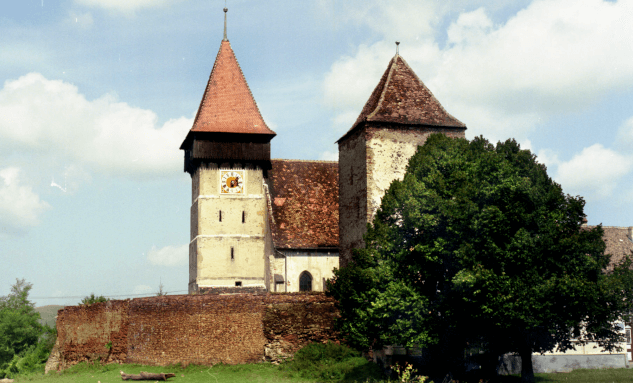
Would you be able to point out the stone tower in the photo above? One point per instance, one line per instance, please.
(227, 154)
(398, 117)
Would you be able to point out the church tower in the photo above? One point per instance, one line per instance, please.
(227, 154)
(398, 117)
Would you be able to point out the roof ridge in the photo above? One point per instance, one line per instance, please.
(228, 104)
(394, 64)
(206, 88)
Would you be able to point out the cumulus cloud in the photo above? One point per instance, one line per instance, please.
(50, 119)
(82, 20)
(595, 171)
(20, 207)
(625, 135)
(395, 19)
(169, 255)
(143, 289)
(123, 6)
(329, 156)
(499, 79)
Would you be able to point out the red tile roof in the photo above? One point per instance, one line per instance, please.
(619, 242)
(401, 97)
(304, 197)
(228, 105)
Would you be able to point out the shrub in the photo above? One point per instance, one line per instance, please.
(92, 298)
(331, 361)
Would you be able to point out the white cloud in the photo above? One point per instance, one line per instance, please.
(20, 207)
(51, 120)
(329, 156)
(82, 20)
(70, 179)
(552, 57)
(549, 158)
(625, 136)
(596, 171)
(123, 6)
(169, 255)
(396, 19)
(469, 27)
(143, 289)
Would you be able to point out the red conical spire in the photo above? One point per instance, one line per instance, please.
(228, 105)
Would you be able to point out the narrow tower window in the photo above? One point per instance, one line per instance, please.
(243, 216)
(232, 254)
(220, 215)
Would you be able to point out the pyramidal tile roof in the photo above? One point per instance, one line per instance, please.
(401, 97)
(228, 105)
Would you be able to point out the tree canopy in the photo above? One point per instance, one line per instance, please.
(92, 298)
(24, 343)
(477, 245)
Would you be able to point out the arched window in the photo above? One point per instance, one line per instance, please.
(305, 281)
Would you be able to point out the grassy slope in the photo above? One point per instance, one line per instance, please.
(48, 314)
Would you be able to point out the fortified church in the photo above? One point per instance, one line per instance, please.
(262, 224)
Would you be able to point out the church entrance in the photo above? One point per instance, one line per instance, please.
(305, 281)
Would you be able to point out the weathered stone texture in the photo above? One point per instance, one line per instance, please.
(195, 329)
(293, 320)
(389, 149)
(352, 193)
(370, 158)
(204, 329)
(97, 331)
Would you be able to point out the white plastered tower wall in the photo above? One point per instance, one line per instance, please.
(228, 230)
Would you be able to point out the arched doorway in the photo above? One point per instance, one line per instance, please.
(305, 281)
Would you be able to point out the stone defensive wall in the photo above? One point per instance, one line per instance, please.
(200, 329)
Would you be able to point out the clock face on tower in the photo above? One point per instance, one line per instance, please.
(231, 182)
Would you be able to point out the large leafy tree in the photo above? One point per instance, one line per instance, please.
(19, 326)
(479, 246)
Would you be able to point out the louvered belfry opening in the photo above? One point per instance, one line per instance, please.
(206, 147)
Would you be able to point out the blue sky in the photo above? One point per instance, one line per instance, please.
(96, 97)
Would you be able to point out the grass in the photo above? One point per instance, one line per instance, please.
(93, 373)
(266, 372)
(587, 376)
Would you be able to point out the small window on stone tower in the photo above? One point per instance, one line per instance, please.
(220, 215)
(305, 281)
(238, 284)
(243, 216)
(232, 254)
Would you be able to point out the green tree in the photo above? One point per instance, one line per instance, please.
(19, 326)
(92, 298)
(478, 246)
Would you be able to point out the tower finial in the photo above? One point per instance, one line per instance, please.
(397, 46)
(225, 11)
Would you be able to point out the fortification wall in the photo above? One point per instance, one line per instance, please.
(200, 329)
(95, 332)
